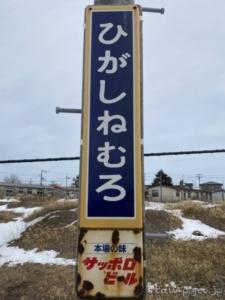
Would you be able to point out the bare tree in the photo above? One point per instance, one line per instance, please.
(12, 179)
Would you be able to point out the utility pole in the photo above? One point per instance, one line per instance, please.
(67, 177)
(161, 186)
(199, 176)
(41, 181)
(42, 176)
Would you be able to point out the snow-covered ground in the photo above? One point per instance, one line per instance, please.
(12, 230)
(154, 205)
(26, 212)
(14, 256)
(3, 207)
(9, 200)
(68, 200)
(189, 225)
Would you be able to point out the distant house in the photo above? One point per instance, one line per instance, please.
(176, 193)
(186, 185)
(17, 190)
(218, 195)
(211, 186)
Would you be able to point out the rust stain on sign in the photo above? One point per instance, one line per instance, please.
(137, 254)
(115, 237)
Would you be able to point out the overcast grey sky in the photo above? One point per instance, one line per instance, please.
(41, 44)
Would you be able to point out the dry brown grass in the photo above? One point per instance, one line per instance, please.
(37, 282)
(7, 216)
(180, 205)
(51, 206)
(55, 232)
(31, 201)
(214, 216)
(192, 208)
(158, 221)
(27, 202)
(188, 263)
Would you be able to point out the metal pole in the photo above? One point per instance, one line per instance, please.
(154, 10)
(128, 2)
(68, 110)
(158, 236)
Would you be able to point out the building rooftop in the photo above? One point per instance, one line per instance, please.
(211, 183)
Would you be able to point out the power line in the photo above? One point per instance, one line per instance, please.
(185, 152)
(13, 161)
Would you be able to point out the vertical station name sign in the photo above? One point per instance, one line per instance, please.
(110, 248)
(111, 171)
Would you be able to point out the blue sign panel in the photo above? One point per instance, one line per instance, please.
(110, 189)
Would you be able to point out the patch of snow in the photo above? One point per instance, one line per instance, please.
(154, 205)
(20, 210)
(189, 226)
(13, 256)
(74, 209)
(61, 200)
(67, 200)
(209, 206)
(25, 211)
(11, 231)
(53, 217)
(9, 200)
(3, 207)
(74, 222)
(37, 220)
